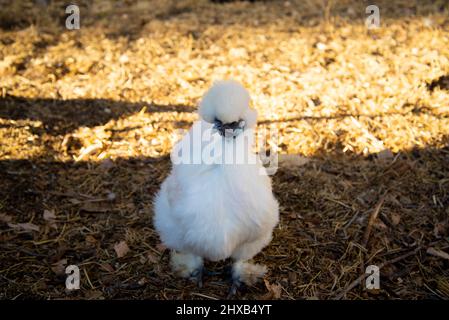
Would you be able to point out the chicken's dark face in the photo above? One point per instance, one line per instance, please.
(229, 130)
(226, 105)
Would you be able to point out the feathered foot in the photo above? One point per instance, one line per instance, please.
(188, 266)
(245, 273)
(197, 276)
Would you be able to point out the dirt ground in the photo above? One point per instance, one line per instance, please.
(88, 118)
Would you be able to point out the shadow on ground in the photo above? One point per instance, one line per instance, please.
(82, 209)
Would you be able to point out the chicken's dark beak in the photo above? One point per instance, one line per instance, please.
(229, 130)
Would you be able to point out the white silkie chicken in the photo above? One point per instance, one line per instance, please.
(220, 206)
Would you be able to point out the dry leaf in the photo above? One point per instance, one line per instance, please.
(94, 207)
(152, 258)
(25, 226)
(106, 164)
(274, 291)
(121, 249)
(107, 267)
(90, 239)
(161, 247)
(5, 218)
(292, 277)
(439, 229)
(437, 253)
(94, 295)
(293, 215)
(292, 160)
(59, 267)
(380, 225)
(385, 154)
(49, 215)
(395, 218)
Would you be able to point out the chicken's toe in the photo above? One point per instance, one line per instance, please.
(197, 276)
(248, 273)
(235, 286)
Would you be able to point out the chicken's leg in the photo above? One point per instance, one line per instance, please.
(246, 273)
(187, 265)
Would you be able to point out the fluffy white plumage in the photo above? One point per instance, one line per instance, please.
(216, 211)
(227, 101)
